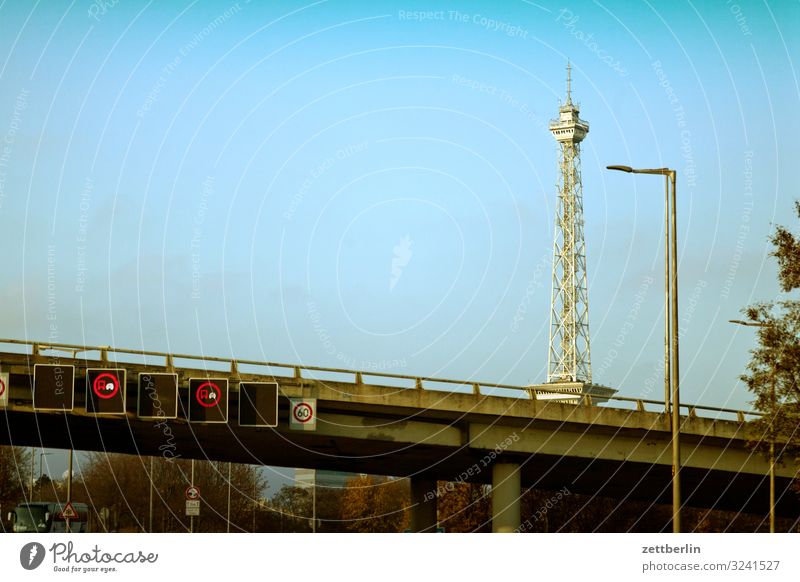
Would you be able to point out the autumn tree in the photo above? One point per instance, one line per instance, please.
(294, 508)
(121, 484)
(246, 489)
(329, 504)
(464, 507)
(15, 475)
(774, 369)
(376, 504)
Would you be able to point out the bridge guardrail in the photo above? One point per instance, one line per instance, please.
(358, 375)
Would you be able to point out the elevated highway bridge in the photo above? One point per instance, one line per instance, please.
(423, 428)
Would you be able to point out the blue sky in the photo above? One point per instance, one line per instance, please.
(366, 185)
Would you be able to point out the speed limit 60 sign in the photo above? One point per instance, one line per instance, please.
(303, 413)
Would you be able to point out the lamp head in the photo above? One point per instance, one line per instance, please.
(749, 323)
(621, 168)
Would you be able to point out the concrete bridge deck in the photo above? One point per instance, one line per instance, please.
(427, 435)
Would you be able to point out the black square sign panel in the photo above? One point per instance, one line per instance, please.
(158, 396)
(208, 400)
(105, 391)
(53, 387)
(258, 404)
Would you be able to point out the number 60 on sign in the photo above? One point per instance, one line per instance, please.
(303, 413)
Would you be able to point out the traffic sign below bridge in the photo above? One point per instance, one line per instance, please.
(303, 413)
(208, 400)
(258, 404)
(105, 391)
(4, 390)
(158, 396)
(53, 387)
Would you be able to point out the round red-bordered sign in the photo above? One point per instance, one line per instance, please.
(205, 401)
(100, 385)
(192, 492)
(303, 410)
(2, 387)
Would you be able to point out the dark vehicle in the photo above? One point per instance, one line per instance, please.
(45, 517)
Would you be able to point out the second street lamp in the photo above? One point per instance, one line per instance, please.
(671, 367)
(771, 426)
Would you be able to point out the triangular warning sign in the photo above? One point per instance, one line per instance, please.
(68, 512)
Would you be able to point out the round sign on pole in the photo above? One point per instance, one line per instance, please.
(2, 387)
(192, 492)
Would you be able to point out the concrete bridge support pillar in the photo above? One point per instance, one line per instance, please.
(506, 497)
(423, 505)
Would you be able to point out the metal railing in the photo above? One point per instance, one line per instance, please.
(297, 372)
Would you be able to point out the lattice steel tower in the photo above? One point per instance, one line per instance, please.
(568, 359)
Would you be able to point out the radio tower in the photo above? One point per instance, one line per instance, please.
(568, 360)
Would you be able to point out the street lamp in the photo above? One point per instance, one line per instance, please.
(228, 526)
(671, 367)
(665, 172)
(150, 501)
(771, 427)
(33, 473)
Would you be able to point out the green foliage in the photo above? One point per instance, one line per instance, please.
(787, 252)
(774, 369)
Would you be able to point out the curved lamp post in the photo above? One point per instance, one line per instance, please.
(771, 428)
(671, 368)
